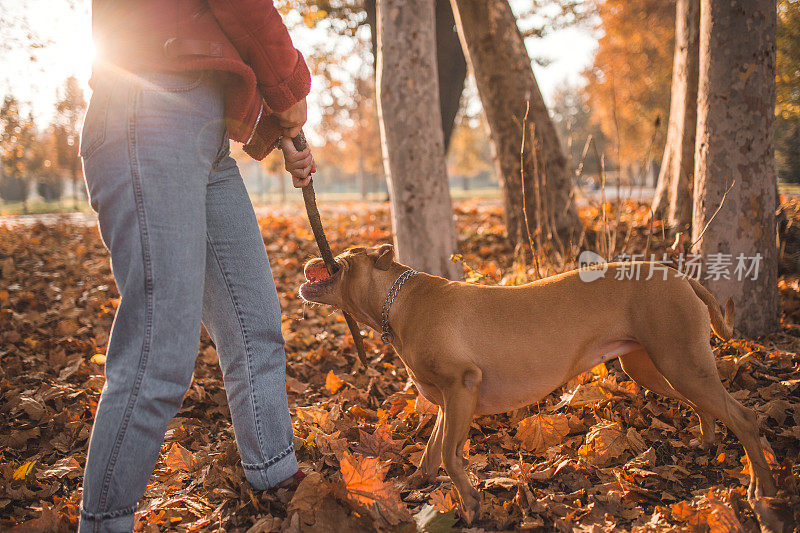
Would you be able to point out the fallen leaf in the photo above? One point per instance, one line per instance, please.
(431, 520)
(67, 467)
(178, 458)
(380, 443)
(363, 478)
(333, 383)
(605, 441)
(23, 470)
(308, 496)
(539, 432)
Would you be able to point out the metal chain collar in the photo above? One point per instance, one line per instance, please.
(386, 332)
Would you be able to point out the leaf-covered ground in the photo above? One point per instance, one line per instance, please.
(599, 454)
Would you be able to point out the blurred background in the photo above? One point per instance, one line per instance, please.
(603, 66)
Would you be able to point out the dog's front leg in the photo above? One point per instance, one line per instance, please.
(460, 400)
(431, 457)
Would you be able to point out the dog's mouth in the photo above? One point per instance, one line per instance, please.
(317, 279)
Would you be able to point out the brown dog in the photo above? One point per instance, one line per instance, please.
(473, 349)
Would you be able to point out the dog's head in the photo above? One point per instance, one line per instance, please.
(362, 273)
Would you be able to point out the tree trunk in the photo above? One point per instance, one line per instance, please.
(673, 196)
(74, 190)
(411, 136)
(362, 174)
(452, 65)
(735, 119)
(282, 189)
(506, 84)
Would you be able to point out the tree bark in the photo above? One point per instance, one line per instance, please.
(411, 136)
(735, 121)
(506, 85)
(451, 63)
(673, 196)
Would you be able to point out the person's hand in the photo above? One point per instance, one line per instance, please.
(299, 164)
(292, 119)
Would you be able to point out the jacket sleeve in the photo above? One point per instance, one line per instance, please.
(257, 31)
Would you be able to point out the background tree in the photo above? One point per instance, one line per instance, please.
(469, 155)
(507, 87)
(17, 136)
(66, 129)
(412, 137)
(735, 122)
(347, 17)
(673, 196)
(349, 121)
(572, 116)
(787, 100)
(451, 66)
(628, 83)
(49, 178)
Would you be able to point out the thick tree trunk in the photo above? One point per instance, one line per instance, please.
(673, 196)
(735, 142)
(412, 138)
(506, 84)
(452, 65)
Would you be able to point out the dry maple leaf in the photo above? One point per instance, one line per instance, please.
(333, 383)
(309, 494)
(443, 500)
(710, 512)
(605, 441)
(583, 394)
(380, 443)
(363, 479)
(539, 432)
(179, 458)
(315, 415)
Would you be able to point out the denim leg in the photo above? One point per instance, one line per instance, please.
(242, 314)
(147, 181)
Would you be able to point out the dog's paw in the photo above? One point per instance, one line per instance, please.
(470, 508)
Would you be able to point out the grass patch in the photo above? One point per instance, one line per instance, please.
(41, 207)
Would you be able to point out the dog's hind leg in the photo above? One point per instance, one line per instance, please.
(431, 457)
(691, 370)
(460, 400)
(641, 369)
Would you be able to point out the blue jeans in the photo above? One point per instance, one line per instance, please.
(185, 247)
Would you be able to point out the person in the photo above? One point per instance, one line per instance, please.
(173, 82)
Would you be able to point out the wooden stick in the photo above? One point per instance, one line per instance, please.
(310, 199)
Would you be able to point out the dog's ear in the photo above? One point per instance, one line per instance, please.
(385, 256)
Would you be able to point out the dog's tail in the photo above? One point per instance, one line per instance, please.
(723, 326)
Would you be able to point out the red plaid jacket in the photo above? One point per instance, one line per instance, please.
(245, 40)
